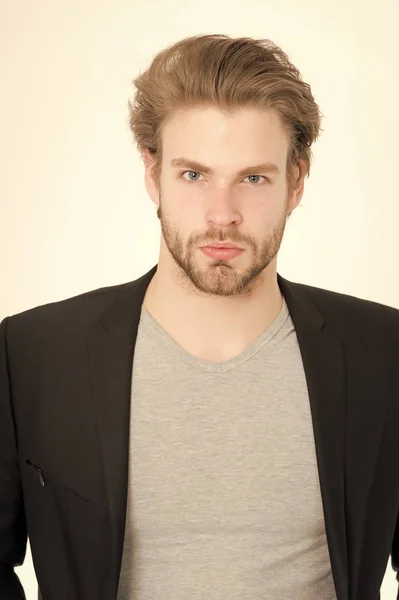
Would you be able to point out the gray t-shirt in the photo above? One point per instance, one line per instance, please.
(224, 498)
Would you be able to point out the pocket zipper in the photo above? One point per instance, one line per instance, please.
(39, 470)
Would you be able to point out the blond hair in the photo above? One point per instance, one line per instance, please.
(228, 73)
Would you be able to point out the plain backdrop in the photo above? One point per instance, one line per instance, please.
(74, 212)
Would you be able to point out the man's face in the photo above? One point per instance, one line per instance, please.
(197, 208)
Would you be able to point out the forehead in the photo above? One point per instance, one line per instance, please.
(215, 137)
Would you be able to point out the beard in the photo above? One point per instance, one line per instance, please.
(220, 277)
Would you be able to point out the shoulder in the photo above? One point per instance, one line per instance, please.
(65, 316)
(352, 313)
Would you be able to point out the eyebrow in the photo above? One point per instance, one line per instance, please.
(267, 167)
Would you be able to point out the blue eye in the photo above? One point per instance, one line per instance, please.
(183, 173)
(255, 176)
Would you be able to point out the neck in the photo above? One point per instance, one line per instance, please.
(211, 326)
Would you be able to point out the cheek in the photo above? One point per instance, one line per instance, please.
(262, 220)
(177, 197)
(270, 205)
(260, 213)
(184, 207)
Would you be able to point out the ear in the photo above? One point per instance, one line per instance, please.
(298, 188)
(149, 182)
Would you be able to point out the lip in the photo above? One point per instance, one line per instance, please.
(226, 246)
(221, 253)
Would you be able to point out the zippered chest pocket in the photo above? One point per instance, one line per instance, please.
(44, 478)
(65, 529)
(36, 480)
(39, 471)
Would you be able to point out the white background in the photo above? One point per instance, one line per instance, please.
(74, 214)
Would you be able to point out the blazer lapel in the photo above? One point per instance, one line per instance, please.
(324, 364)
(111, 348)
(111, 351)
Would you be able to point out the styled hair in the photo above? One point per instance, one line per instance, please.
(229, 73)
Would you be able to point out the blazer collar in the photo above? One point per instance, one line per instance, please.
(111, 351)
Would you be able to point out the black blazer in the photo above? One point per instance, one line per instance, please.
(65, 377)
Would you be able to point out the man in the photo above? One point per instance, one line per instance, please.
(211, 429)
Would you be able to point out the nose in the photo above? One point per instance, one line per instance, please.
(222, 209)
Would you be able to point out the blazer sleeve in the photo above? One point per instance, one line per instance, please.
(13, 531)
